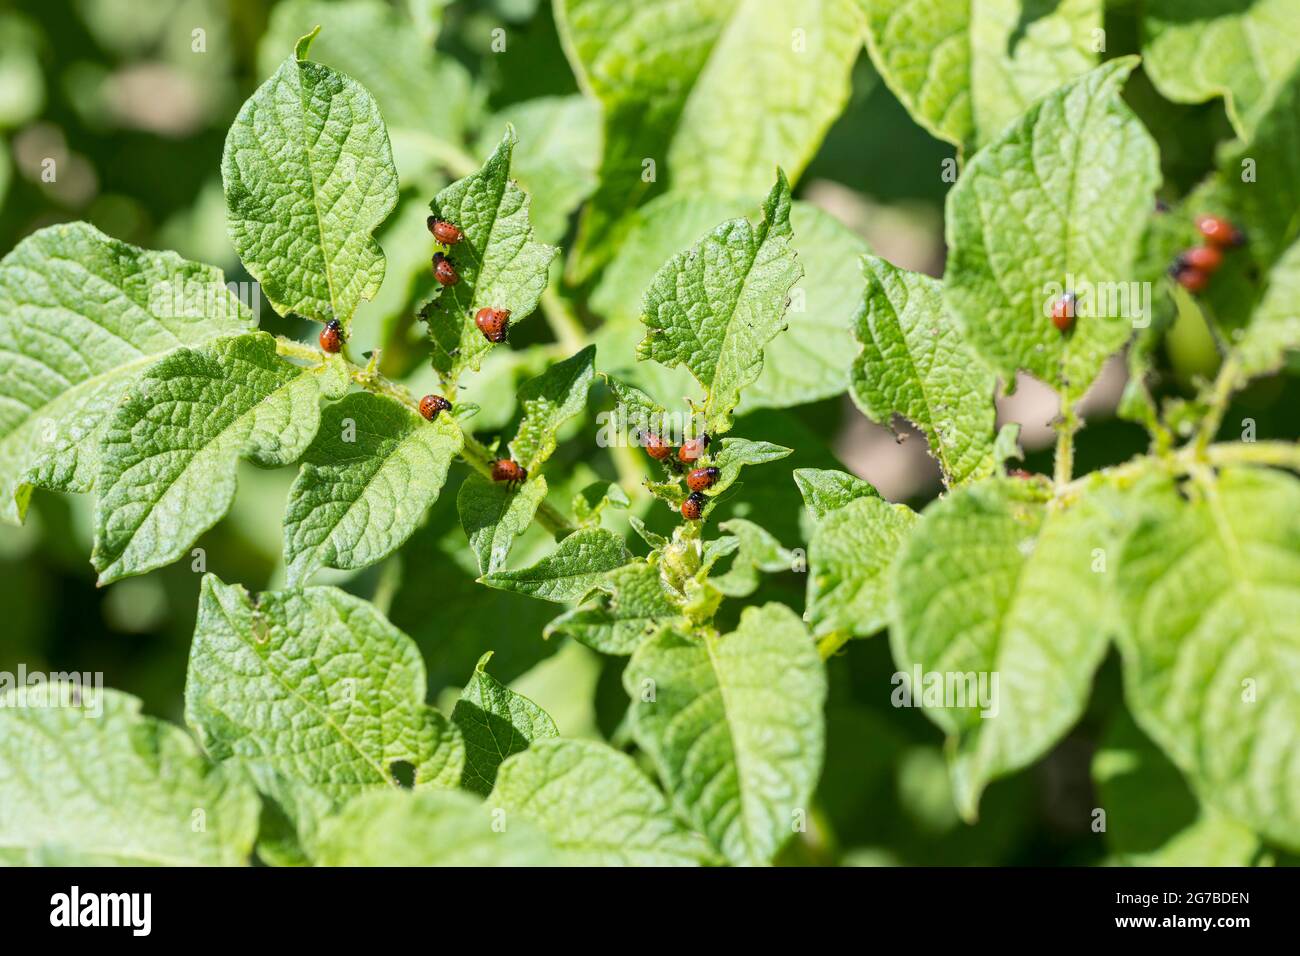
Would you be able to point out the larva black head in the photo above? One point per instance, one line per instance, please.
(432, 405)
(703, 478)
(331, 337)
(693, 506)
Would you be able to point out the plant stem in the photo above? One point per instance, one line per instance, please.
(1224, 385)
(1065, 429)
(832, 642)
(564, 323)
(1278, 453)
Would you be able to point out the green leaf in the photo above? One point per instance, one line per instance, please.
(849, 559)
(691, 98)
(570, 571)
(170, 451)
(1212, 609)
(994, 584)
(1152, 819)
(374, 44)
(366, 481)
(90, 781)
(811, 360)
(496, 723)
(309, 177)
(428, 828)
(630, 606)
(500, 265)
(825, 489)
(1196, 50)
(547, 402)
(591, 501)
(965, 70)
(757, 551)
(314, 685)
(914, 363)
(493, 515)
(1264, 204)
(735, 453)
(734, 724)
(714, 307)
(1060, 197)
(559, 150)
(81, 316)
(1275, 327)
(596, 806)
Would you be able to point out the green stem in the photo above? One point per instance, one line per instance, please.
(1065, 429)
(832, 642)
(1277, 453)
(1224, 385)
(564, 323)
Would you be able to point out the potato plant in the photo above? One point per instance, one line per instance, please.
(575, 436)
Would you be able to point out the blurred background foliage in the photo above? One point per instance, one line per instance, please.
(132, 100)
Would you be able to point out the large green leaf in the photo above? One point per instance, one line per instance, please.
(1152, 819)
(734, 724)
(993, 584)
(811, 360)
(966, 68)
(495, 723)
(429, 828)
(714, 307)
(569, 572)
(1275, 327)
(316, 686)
(915, 363)
(1195, 50)
(681, 84)
(1264, 203)
(547, 402)
(81, 316)
(1061, 197)
(494, 514)
(1211, 593)
(499, 264)
(171, 450)
(849, 559)
(366, 481)
(89, 781)
(309, 176)
(596, 805)
(376, 45)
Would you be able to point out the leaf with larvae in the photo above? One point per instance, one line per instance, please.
(1060, 198)
(499, 264)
